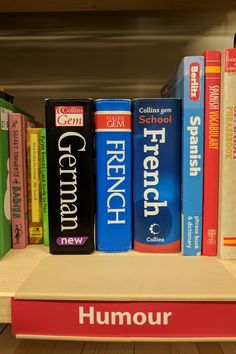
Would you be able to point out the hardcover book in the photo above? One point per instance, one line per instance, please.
(34, 186)
(188, 84)
(113, 175)
(211, 152)
(18, 180)
(71, 193)
(227, 200)
(156, 171)
(43, 156)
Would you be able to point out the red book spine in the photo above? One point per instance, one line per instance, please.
(18, 182)
(211, 152)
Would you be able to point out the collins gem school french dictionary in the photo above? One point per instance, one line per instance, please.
(156, 174)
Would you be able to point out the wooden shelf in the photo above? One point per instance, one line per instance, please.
(16, 346)
(106, 5)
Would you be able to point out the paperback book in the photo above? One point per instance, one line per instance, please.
(34, 186)
(18, 179)
(227, 200)
(212, 60)
(188, 84)
(44, 185)
(5, 199)
(5, 213)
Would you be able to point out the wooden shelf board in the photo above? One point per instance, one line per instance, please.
(12, 345)
(104, 5)
(126, 339)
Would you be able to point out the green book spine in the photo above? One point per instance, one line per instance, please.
(43, 155)
(5, 212)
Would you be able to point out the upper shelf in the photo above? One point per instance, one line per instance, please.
(107, 5)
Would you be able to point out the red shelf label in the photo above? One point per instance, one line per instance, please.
(124, 319)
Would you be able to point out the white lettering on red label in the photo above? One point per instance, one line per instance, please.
(118, 318)
(194, 82)
(69, 116)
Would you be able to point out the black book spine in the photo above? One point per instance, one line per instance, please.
(70, 158)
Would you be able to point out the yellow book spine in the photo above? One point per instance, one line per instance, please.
(34, 186)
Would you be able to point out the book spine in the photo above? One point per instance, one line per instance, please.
(188, 84)
(156, 170)
(71, 194)
(43, 155)
(192, 156)
(227, 200)
(113, 175)
(5, 212)
(211, 152)
(17, 180)
(34, 186)
(25, 124)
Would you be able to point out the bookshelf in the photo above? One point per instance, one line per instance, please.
(16, 346)
(56, 49)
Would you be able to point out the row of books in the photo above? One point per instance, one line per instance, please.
(197, 83)
(28, 182)
(19, 138)
(207, 86)
(156, 168)
(151, 219)
(138, 176)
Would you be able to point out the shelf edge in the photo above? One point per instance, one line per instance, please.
(127, 339)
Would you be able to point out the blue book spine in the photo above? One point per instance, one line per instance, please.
(113, 175)
(188, 84)
(156, 170)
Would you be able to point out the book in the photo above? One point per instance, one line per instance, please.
(227, 195)
(71, 192)
(43, 157)
(18, 180)
(5, 213)
(156, 174)
(113, 175)
(5, 200)
(34, 186)
(212, 80)
(188, 84)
